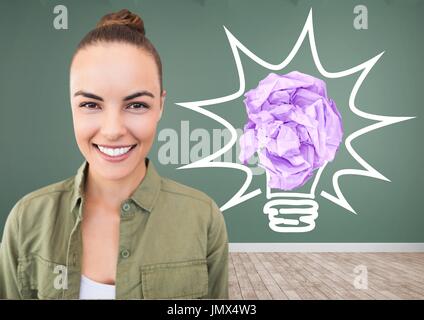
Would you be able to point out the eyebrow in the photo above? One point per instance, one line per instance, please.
(131, 96)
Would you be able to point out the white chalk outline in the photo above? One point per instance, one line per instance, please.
(308, 29)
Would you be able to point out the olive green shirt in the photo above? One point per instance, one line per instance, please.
(172, 244)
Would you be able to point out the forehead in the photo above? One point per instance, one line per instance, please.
(113, 68)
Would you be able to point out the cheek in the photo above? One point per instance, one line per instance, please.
(85, 128)
(142, 129)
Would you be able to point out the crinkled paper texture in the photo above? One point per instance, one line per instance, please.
(293, 126)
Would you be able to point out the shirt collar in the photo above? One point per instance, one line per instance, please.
(145, 194)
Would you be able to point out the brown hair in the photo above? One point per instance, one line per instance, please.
(122, 26)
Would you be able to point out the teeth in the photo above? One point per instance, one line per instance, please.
(114, 152)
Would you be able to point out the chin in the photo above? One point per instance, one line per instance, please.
(113, 172)
(116, 174)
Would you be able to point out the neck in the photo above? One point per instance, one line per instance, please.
(113, 192)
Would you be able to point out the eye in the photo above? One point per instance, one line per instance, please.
(89, 105)
(137, 106)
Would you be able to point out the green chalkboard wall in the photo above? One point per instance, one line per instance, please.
(36, 135)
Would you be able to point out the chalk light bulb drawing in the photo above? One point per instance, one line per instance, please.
(309, 211)
(295, 129)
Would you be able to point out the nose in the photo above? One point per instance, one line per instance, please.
(113, 125)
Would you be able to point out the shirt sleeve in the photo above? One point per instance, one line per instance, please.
(217, 255)
(9, 253)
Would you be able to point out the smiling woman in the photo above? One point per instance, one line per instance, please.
(117, 229)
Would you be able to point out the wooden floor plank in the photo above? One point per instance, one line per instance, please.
(328, 275)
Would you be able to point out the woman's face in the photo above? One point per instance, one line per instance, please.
(116, 105)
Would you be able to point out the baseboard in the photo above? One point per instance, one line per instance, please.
(327, 247)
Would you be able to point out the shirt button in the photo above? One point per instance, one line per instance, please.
(125, 253)
(126, 207)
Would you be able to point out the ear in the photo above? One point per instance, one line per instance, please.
(163, 96)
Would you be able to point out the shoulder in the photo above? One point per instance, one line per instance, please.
(40, 202)
(48, 191)
(188, 200)
(183, 191)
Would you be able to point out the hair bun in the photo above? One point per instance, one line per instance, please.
(123, 17)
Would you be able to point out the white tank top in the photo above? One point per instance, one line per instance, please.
(90, 289)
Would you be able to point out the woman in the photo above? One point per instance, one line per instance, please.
(117, 229)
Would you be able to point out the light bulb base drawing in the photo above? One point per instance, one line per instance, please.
(291, 215)
(290, 211)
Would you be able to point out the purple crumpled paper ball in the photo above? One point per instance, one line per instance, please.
(294, 127)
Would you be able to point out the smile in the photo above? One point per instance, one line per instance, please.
(117, 151)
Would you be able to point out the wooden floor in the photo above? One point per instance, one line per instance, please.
(274, 275)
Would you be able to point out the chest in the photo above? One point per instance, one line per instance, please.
(100, 242)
